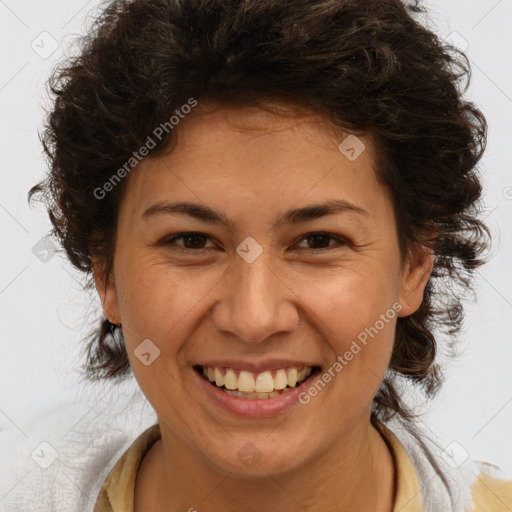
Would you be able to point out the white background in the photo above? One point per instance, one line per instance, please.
(45, 314)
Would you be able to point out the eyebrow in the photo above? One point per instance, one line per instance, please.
(294, 216)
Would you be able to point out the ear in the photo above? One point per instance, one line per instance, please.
(415, 276)
(105, 285)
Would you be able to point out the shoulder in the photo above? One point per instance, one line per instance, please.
(424, 462)
(491, 491)
(53, 471)
(60, 462)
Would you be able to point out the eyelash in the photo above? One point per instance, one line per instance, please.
(340, 241)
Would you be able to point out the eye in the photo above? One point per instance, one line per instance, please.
(197, 241)
(191, 240)
(321, 241)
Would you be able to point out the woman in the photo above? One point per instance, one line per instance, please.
(270, 198)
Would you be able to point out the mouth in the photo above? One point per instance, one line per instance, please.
(262, 385)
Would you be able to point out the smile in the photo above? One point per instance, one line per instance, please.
(256, 385)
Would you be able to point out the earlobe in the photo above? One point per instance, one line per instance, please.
(415, 277)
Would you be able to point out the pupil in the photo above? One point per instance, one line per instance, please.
(318, 239)
(193, 239)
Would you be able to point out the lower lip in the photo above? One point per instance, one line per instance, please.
(253, 408)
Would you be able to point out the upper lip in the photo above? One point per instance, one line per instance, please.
(260, 366)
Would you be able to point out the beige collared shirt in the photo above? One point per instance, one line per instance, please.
(117, 493)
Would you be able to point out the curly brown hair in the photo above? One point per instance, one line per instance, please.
(368, 66)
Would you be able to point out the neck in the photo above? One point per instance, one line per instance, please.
(356, 474)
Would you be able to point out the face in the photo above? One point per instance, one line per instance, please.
(293, 262)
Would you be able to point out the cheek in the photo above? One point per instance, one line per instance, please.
(350, 301)
(155, 298)
(356, 314)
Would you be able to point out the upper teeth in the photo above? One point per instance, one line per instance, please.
(249, 382)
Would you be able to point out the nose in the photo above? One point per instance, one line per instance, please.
(255, 302)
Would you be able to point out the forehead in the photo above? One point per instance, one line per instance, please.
(260, 156)
(211, 121)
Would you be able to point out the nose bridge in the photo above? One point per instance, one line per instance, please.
(255, 304)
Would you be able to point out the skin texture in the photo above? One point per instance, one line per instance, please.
(297, 300)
